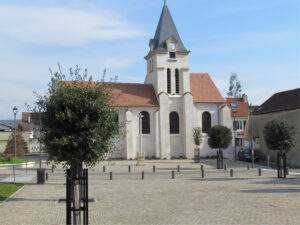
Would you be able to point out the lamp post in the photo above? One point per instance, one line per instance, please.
(234, 109)
(252, 149)
(15, 111)
(140, 154)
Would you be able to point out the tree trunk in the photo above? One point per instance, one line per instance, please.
(219, 159)
(284, 165)
(76, 170)
(280, 170)
(222, 159)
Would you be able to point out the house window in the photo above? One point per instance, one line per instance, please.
(169, 81)
(172, 55)
(237, 125)
(177, 80)
(206, 122)
(145, 122)
(174, 123)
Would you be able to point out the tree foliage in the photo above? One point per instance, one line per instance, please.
(77, 120)
(197, 134)
(21, 145)
(235, 87)
(219, 137)
(279, 135)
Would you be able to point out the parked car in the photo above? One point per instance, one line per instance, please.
(246, 155)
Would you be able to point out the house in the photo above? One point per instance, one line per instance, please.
(282, 106)
(239, 115)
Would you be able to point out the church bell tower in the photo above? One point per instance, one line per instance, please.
(167, 60)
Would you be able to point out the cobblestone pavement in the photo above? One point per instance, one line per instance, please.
(159, 200)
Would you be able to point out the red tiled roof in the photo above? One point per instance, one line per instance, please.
(242, 107)
(204, 89)
(133, 95)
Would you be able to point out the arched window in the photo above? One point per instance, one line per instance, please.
(169, 81)
(206, 122)
(177, 80)
(174, 123)
(145, 122)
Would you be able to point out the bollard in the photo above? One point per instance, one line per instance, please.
(154, 169)
(202, 173)
(52, 169)
(268, 161)
(231, 172)
(178, 168)
(225, 167)
(143, 175)
(173, 174)
(259, 172)
(202, 167)
(104, 169)
(26, 167)
(248, 167)
(47, 176)
(129, 169)
(111, 175)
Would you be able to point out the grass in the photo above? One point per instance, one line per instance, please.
(11, 161)
(7, 190)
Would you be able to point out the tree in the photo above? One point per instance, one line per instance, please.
(77, 123)
(197, 134)
(235, 87)
(280, 136)
(219, 138)
(21, 145)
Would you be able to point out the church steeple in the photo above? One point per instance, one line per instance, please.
(166, 30)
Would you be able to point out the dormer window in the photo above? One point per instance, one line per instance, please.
(172, 55)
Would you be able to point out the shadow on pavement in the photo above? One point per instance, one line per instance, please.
(282, 190)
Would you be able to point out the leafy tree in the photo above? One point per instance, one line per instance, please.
(198, 137)
(235, 87)
(280, 136)
(77, 123)
(220, 138)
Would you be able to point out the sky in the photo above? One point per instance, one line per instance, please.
(257, 39)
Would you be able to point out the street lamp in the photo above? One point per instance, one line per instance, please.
(252, 149)
(15, 111)
(234, 109)
(140, 154)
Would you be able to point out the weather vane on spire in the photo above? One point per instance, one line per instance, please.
(165, 2)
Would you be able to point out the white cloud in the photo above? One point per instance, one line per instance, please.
(63, 26)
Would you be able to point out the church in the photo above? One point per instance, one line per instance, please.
(159, 116)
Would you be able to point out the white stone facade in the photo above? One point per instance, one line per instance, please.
(160, 143)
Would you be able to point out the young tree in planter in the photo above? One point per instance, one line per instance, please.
(197, 134)
(219, 138)
(77, 124)
(280, 136)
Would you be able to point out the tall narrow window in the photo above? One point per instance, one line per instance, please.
(177, 80)
(144, 122)
(206, 122)
(169, 81)
(174, 123)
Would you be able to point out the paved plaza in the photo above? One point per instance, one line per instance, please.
(159, 200)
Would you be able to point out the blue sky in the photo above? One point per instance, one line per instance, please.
(257, 39)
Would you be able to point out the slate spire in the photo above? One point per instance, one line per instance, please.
(166, 29)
